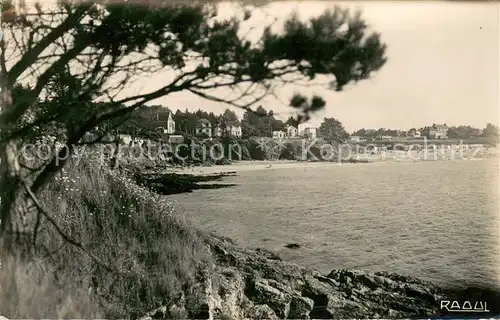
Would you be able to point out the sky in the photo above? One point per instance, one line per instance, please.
(443, 67)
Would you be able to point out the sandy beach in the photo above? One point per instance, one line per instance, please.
(253, 165)
(242, 166)
(395, 156)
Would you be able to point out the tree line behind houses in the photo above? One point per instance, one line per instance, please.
(156, 121)
(153, 122)
(434, 131)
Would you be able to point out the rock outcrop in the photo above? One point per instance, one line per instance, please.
(256, 284)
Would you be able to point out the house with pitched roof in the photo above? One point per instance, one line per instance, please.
(204, 127)
(438, 131)
(291, 131)
(307, 130)
(170, 125)
(228, 128)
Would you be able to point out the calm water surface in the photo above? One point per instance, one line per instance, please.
(435, 220)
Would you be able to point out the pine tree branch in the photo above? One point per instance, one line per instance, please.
(30, 57)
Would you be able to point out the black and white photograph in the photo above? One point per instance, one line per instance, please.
(168, 159)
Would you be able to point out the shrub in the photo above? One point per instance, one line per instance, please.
(289, 152)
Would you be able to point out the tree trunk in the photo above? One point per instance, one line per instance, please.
(16, 207)
(17, 211)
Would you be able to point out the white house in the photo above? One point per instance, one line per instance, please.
(127, 139)
(170, 129)
(235, 130)
(414, 133)
(307, 130)
(291, 131)
(310, 132)
(438, 131)
(204, 127)
(279, 134)
(300, 129)
(231, 128)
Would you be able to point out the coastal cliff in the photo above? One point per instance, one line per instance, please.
(256, 284)
(162, 267)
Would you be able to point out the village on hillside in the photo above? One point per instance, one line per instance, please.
(161, 123)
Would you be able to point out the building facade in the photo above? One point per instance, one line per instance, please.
(306, 130)
(170, 128)
(232, 129)
(310, 132)
(279, 134)
(438, 131)
(204, 127)
(291, 131)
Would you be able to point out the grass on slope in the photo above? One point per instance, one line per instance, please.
(127, 227)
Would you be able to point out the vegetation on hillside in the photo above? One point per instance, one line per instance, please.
(139, 252)
(31, 288)
(145, 121)
(68, 67)
(332, 130)
(489, 132)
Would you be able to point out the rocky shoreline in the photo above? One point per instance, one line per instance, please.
(173, 183)
(257, 284)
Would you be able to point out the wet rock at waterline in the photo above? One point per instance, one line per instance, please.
(255, 284)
